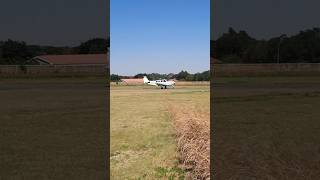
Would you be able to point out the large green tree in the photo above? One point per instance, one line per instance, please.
(18, 52)
(94, 46)
(14, 52)
(239, 47)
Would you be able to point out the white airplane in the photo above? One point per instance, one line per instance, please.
(163, 83)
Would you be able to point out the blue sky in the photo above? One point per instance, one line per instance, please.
(160, 36)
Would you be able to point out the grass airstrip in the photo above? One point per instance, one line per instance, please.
(265, 127)
(144, 132)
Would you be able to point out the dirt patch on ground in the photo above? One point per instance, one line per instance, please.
(193, 138)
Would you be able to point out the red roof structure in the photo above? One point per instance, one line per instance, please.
(73, 59)
(214, 60)
(133, 81)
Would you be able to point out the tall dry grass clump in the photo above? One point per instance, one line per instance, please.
(193, 139)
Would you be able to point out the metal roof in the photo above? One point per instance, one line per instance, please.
(74, 59)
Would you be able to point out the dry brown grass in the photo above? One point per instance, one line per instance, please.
(193, 138)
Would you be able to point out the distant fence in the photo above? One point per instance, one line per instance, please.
(266, 69)
(52, 70)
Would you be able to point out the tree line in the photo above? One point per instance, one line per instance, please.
(239, 47)
(19, 53)
(182, 76)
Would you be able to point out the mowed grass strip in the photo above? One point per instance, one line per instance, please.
(143, 137)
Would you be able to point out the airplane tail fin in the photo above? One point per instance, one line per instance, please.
(145, 79)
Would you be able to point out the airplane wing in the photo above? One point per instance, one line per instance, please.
(164, 84)
(161, 84)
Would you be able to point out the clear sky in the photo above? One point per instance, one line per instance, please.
(263, 19)
(53, 22)
(159, 36)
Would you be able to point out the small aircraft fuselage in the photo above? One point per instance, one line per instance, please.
(163, 83)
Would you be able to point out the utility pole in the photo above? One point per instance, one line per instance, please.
(280, 40)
